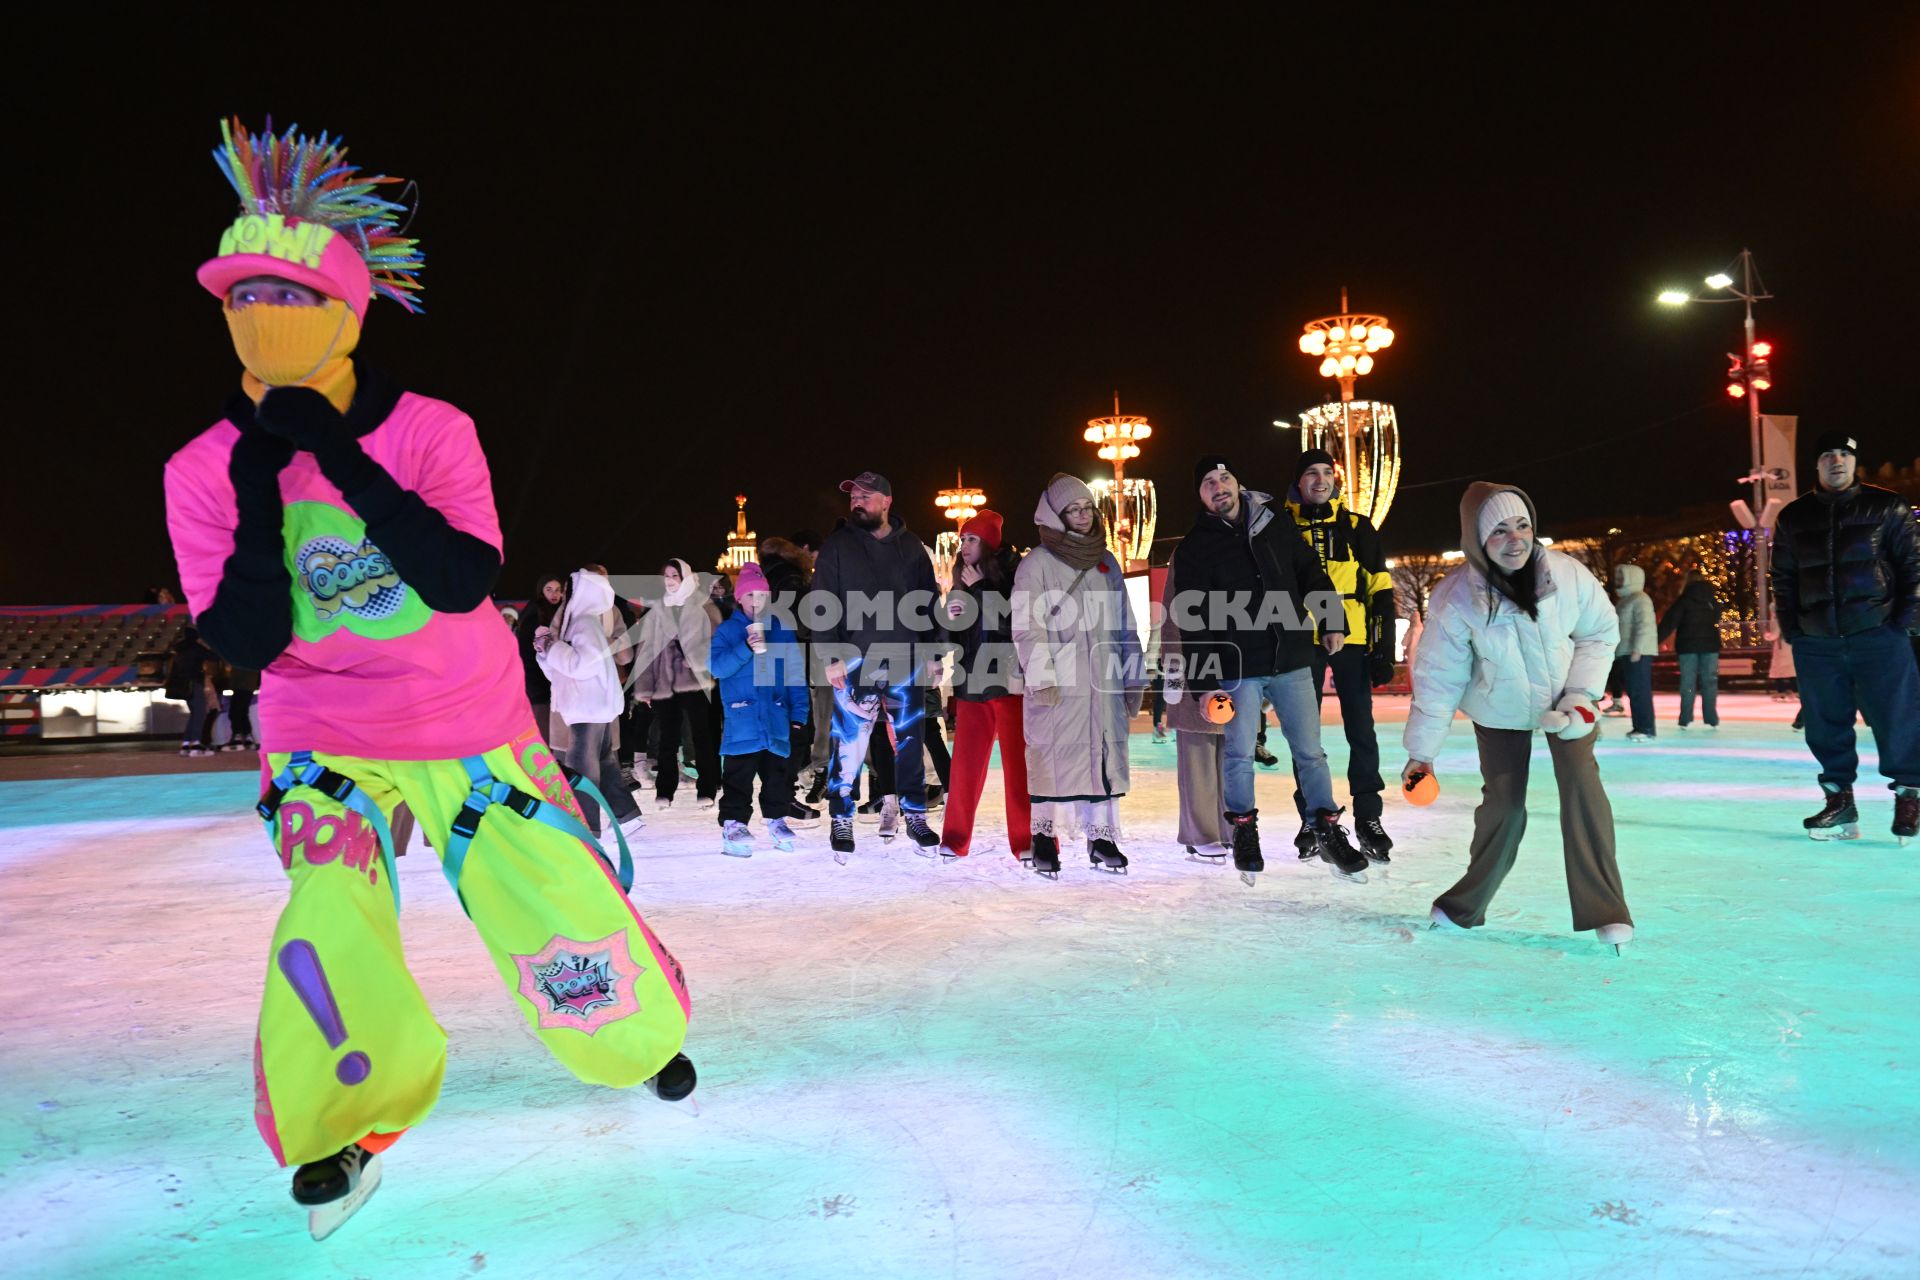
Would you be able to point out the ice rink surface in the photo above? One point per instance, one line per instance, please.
(926, 1070)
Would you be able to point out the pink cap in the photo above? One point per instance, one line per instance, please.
(306, 253)
(751, 579)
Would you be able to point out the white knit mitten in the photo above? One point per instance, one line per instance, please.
(1572, 717)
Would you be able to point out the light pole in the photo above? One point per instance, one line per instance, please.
(1135, 507)
(1748, 380)
(1363, 435)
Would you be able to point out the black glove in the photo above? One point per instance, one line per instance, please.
(258, 456)
(307, 420)
(1380, 667)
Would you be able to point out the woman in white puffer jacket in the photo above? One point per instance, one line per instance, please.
(1520, 638)
(587, 696)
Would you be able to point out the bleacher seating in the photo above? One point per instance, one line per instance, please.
(87, 646)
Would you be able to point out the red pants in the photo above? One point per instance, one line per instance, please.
(975, 726)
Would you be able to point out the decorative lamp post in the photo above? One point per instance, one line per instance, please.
(1748, 377)
(1131, 507)
(958, 504)
(1363, 435)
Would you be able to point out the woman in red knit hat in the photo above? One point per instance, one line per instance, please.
(986, 687)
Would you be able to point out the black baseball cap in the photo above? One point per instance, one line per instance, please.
(871, 480)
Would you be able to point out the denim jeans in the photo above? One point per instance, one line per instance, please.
(1295, 702)
(1701, 671)
(1640, 693)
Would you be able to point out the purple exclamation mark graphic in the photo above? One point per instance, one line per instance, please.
(301, 964)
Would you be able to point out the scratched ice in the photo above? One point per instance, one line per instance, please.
(910, 1069)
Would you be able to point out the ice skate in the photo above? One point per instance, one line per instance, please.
(1213, 855)
(1105, 855)
(1639, 737)
(890, 818)
(1374, 842)
(872, 809)
(1615, 935)
(632, 826)
(801, 815)
(1331, 846)
(675, 1082)
(1263, 757)
(1906, 813)
(1046, 857)
(704, 802)
(926, 842)
(947, 852)
(781, 834)
(817, 789)
(1443, 922)
(736, 841)
(336, 1187)
(1247, 859)
(1303, 841)
(936, 797)
(842, 839)
(1839, 820)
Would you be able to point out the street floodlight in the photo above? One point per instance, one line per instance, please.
(1719, 280)
(1674, 297)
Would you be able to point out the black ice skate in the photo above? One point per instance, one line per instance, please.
(1264, 757)
(1046, 856)
(1374, 841)
(675, 1081)
(1330, 843)
(1838, 821)
(1303, 843)
(926, 842)
(801, 815)
(1247, 859)
(336, 1187)
(842, 839)
(1106, 855)
(817, 790)
(1906, 813)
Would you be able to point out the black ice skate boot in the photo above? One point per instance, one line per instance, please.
(1303, 843)
(1374, 840)
(1330, 843)
(335, 1187)
(1263, 757)
(1246, 843)
(1839, 820)
(926, 842)
(1906, 813)
(842, 839)
(1106, 855)
(1046, 856)
(674, 1081)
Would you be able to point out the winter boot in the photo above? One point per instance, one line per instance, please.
(1106, 855)
(1330, 843)
(1839, 820)
(1046, 856)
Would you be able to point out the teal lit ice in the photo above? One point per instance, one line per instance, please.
(910, 1069)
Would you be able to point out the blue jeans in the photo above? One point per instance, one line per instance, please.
(1702, 671)
(1640, 693)
(1871, 672)
(1296, 703)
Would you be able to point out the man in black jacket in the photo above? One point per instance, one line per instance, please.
(1846, 586)
(1249, 591)
(873, 633)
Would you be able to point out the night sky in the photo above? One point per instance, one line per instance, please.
(667, 264)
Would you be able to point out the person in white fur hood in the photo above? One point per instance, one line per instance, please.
(587, 697)
(1520, 638)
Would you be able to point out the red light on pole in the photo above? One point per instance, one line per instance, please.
(1735, 390)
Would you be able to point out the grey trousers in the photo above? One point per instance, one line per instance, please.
(1586, 830)
(1203, 810)
(820, 698)
(590, 754)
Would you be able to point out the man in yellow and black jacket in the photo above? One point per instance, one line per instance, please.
(1349, 549)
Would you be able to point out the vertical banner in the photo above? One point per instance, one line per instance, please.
(1777, 433)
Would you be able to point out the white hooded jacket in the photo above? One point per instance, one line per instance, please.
(577, 659)
(1483, 655)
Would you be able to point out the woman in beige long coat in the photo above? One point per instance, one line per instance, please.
(1080, 661)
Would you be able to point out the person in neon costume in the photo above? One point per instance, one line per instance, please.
(338, 533)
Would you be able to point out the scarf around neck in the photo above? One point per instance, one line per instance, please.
(1081, 551)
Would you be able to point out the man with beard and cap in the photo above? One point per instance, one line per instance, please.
(1249, 586)
(337, 533)
(1081, 666)
(1520, 639)
(873, 589)
(1348, 548)
(1846, 589)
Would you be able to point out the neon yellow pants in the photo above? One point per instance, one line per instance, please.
(347, 1048)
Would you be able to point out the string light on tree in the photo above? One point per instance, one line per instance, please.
(1130, 506)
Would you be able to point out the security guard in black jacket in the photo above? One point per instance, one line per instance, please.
(1846, 587)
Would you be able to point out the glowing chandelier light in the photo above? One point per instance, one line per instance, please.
(960, 504)
(1362, 435)
(1130, 506)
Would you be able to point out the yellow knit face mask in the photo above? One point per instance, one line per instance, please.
(294, 346)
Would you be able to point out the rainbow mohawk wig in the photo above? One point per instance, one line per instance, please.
(309, 180)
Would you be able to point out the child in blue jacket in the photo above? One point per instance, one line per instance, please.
(761, 671)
